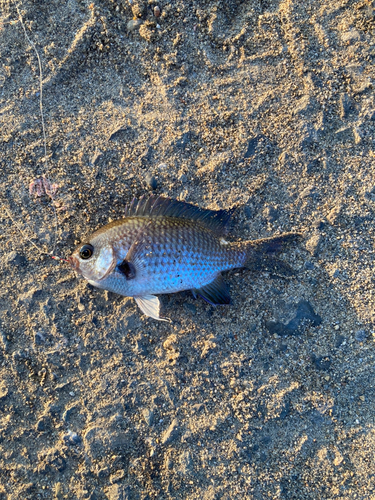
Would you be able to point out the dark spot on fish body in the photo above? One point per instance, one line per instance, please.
(127, 269)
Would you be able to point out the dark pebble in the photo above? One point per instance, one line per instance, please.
(304, 313)
(151, 182)
(183, 178)
(314, 244)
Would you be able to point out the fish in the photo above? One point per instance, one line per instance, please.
(163, 246)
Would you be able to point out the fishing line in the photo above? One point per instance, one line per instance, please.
(43, 181)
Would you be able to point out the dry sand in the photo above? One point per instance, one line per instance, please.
(262, 104)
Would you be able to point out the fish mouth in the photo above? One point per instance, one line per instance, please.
(73, 263)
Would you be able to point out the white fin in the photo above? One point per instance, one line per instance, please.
(150, 306)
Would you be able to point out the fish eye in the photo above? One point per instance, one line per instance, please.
(86, 252)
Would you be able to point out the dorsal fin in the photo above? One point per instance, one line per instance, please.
(158, 206)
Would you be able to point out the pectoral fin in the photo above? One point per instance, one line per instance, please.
(215, 292)
(150, 306)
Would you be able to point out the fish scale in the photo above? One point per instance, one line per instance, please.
(166, 246)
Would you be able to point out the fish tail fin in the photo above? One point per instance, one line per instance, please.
(260, 254)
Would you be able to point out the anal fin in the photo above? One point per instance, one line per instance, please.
(150, 306)
(215, 292)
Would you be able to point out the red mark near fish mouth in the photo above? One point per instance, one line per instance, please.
(55, 257)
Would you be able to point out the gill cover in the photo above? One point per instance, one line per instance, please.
(105, 262)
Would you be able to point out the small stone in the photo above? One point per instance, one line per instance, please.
(313, 244)
(337, 327)
(183, 178)
(319, 224)
(358, 134)
(133, 24)
(151, 182)
(171, 433)
(162, 166)
(157, 11)
(71, 438)
(340, 340)
(117, 476)
(148, 415)
(361, 335)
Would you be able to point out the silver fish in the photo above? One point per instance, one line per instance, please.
(166, 246)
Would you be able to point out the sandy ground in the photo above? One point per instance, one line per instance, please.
(264, 105)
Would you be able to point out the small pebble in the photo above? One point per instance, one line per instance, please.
(148, 415)
(72, 438)
(151, 182)
(157, 11)
(133, 24)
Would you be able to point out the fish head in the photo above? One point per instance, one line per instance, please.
(94, 261)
